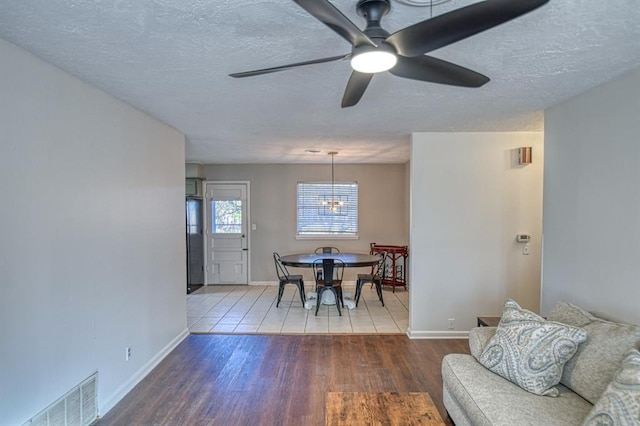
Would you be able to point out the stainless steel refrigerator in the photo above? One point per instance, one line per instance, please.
(195, 243)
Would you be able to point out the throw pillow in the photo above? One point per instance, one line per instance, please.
(595, 363)
(620, 402)
(530, 351)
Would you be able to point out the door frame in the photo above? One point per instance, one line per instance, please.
(206, 212)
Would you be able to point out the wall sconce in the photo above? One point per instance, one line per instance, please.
(524, 155)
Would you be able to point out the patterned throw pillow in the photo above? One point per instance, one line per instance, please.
(620, 402)
(530, 351)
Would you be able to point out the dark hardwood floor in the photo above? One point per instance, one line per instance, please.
(278, 379)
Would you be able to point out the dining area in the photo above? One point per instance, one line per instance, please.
(328, 265)
(291, 306)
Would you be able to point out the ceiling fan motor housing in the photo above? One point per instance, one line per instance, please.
(373, 11)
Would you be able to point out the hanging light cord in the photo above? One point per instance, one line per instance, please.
(333, 200)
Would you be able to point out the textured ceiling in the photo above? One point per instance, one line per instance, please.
(171, 59)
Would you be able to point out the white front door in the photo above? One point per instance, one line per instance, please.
(227, 248)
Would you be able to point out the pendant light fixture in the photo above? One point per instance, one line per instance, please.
(333, 204)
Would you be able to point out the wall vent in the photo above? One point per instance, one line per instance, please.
(77, 408)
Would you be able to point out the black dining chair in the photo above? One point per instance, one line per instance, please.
(374, 278)
(286, 278)
(327, 250)
(328, 274)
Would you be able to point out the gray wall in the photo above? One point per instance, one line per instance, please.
(383, 208)
(92, 248)
(592, 200)
(469, 200)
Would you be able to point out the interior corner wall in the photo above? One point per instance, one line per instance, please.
(592, 201)
(92, 248)
(469, 200)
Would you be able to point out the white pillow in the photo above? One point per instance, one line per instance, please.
(620, 402)
(530, 351)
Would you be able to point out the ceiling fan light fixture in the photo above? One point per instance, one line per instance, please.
(371, 60)
(404, 53)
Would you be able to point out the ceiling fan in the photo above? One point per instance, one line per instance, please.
(402, 53)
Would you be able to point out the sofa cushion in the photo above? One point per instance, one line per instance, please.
(595, 363)
(530, 351)
(620, 402)
(475, 396)
(478, 339)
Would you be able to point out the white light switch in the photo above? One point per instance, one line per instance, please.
(253, 227)
(525, 249)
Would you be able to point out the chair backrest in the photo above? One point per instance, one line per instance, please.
(327, 250)
(281, 270)
(379, 268)
(332, 270)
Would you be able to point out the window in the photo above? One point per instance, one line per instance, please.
(326, 210)
(226, 216)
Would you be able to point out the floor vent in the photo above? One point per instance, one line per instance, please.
(77, 408)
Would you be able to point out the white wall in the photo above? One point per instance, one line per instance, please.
(592, 201)
(383, 209)
(469, 199)
(92, 242)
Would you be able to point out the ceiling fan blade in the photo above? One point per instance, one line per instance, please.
(329, 15)
(427, 68)
(459, 24)
(286, 67)
(356, 87)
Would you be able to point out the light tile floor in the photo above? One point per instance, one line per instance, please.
(252, 309)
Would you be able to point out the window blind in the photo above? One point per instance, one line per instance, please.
(327, 210)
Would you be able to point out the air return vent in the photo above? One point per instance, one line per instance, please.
(77, 408)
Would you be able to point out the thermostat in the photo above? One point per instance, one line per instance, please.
(523, 238)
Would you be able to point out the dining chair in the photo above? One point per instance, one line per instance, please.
(375, 279)
(328, 274)
(327, 250)
(286, 278)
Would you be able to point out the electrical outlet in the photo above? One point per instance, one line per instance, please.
(452, 323)
(127, 353)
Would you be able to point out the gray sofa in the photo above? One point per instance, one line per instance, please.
(475, 396)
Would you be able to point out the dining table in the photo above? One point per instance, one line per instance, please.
(350, 260)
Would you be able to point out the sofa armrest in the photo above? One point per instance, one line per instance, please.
(478, 339)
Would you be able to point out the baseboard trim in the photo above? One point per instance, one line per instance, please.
(417, 334)
(123, 390)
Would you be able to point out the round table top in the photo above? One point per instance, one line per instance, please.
(351, 260)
